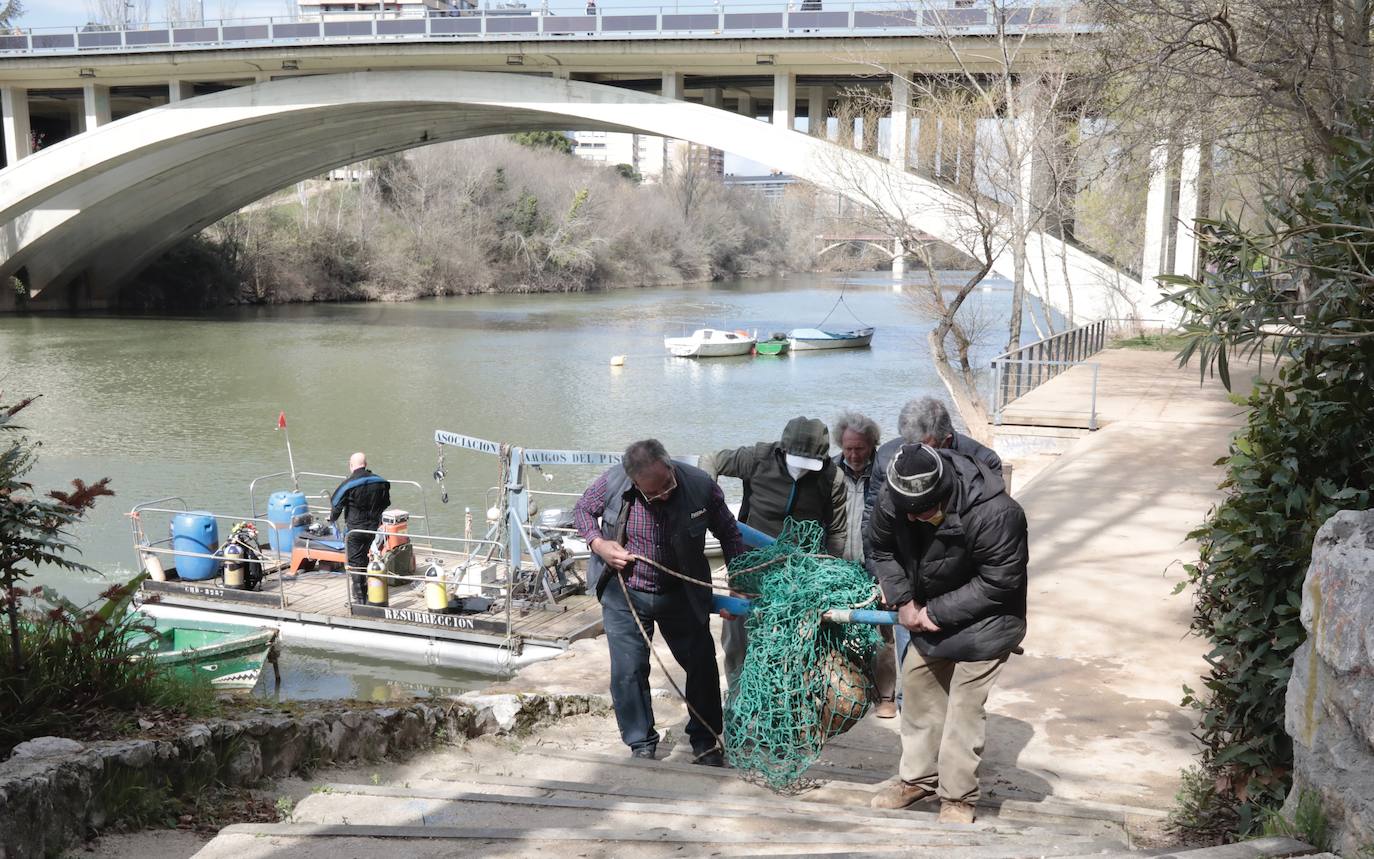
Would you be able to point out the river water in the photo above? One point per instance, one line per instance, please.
(187, 405)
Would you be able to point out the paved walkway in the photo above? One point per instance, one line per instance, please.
(1091, 712)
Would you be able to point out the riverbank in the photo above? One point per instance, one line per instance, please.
(477, 217)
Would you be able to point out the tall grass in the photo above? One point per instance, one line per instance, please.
(86, 671)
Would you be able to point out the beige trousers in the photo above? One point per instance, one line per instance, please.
(944, 723)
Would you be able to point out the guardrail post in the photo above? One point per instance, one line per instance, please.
(1092, 416)
(483, 30)
(997, 393)
(851, 16)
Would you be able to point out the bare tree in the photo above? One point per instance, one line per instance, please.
(1265, 81)
(10, 11)
(124, 14)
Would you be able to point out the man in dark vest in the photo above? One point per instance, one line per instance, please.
(360, 499)
(650, 507)
(793, 477)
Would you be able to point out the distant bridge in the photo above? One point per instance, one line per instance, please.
(170, 130)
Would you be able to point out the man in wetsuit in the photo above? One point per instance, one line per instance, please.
(360, 499)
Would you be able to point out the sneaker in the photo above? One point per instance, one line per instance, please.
(646, 752)
(886, 709)
(899, 794)
(956, 812)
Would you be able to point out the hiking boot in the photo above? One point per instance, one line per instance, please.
(899, 794)
(646, 752)
(956, 812)
(710, 758)
(886, 709)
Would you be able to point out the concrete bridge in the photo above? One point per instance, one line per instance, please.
(151, 135)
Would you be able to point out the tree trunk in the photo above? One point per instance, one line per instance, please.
(16, 651)
(964, 394)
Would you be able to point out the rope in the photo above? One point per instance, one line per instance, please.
(649, 643)
(838, 302)
(803, 680)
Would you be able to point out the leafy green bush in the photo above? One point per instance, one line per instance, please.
(85, 669)
(1301, 288)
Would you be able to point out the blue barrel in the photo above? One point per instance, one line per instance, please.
(288, 512)
(196, 531)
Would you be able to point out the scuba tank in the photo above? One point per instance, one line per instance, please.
(242, 558)
(436, 589)
(233, 564)
(378, 585)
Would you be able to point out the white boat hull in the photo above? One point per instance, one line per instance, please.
(418, 648)
(709, 343)
(812, 344)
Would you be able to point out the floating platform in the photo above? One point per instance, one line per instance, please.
(313, 608)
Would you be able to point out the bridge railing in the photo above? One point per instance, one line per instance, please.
(802, 18)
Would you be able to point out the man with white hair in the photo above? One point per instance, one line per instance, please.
(360, 499)
(858, 436)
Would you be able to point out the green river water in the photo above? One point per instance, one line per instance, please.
(187, 405)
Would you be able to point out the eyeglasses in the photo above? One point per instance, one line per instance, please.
(660, 496)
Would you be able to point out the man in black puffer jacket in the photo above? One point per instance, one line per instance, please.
(949, 548)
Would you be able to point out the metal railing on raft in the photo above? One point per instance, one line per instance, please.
(1020, 371)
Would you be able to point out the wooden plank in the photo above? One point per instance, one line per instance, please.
(862, 777)
(1258, 848)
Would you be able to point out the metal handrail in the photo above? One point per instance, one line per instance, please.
(1058, 366)
(713, 20)
(1038, 362)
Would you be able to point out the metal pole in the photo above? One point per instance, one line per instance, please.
(997, 393)
(1092, 416)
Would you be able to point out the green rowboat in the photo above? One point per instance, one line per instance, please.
(772, 347)
(229, 655)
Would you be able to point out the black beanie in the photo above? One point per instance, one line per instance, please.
(919, 479)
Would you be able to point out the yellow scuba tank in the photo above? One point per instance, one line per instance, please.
(378, 590)
(436, 589)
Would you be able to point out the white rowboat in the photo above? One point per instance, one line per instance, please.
(804, 339)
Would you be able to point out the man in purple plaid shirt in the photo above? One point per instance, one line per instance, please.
(652, 507)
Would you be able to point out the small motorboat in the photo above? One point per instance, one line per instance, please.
(804, 339)
(229, 655)
(710, 343)
(778, 344)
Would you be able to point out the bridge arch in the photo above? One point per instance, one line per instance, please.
(98, 207)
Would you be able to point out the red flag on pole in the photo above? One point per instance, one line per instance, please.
(281, 421)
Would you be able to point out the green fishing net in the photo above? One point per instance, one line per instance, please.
(804, 680)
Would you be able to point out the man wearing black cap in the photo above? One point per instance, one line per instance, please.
(793, 477)
(949, 550)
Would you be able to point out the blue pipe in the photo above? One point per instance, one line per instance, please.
(740, 607)
(754, 538)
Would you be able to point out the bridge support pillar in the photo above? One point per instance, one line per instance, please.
(14, 106)
(711, 97)
(179, 90)
(784, 99)
(1185, 240)
(816, 113)
(746, 105)
(95, 98)
(672, 85)
(898, 258)
(1156, 216)
(899, 132)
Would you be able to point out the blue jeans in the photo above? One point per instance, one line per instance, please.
(688, 637)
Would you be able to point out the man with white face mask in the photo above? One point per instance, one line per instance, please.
(949, 550)
(793, 477)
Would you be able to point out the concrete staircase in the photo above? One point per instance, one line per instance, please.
(573, 791)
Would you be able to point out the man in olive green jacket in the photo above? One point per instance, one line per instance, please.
(793, 477)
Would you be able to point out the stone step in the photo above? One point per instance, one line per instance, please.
(331, 841)
(433, 800)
